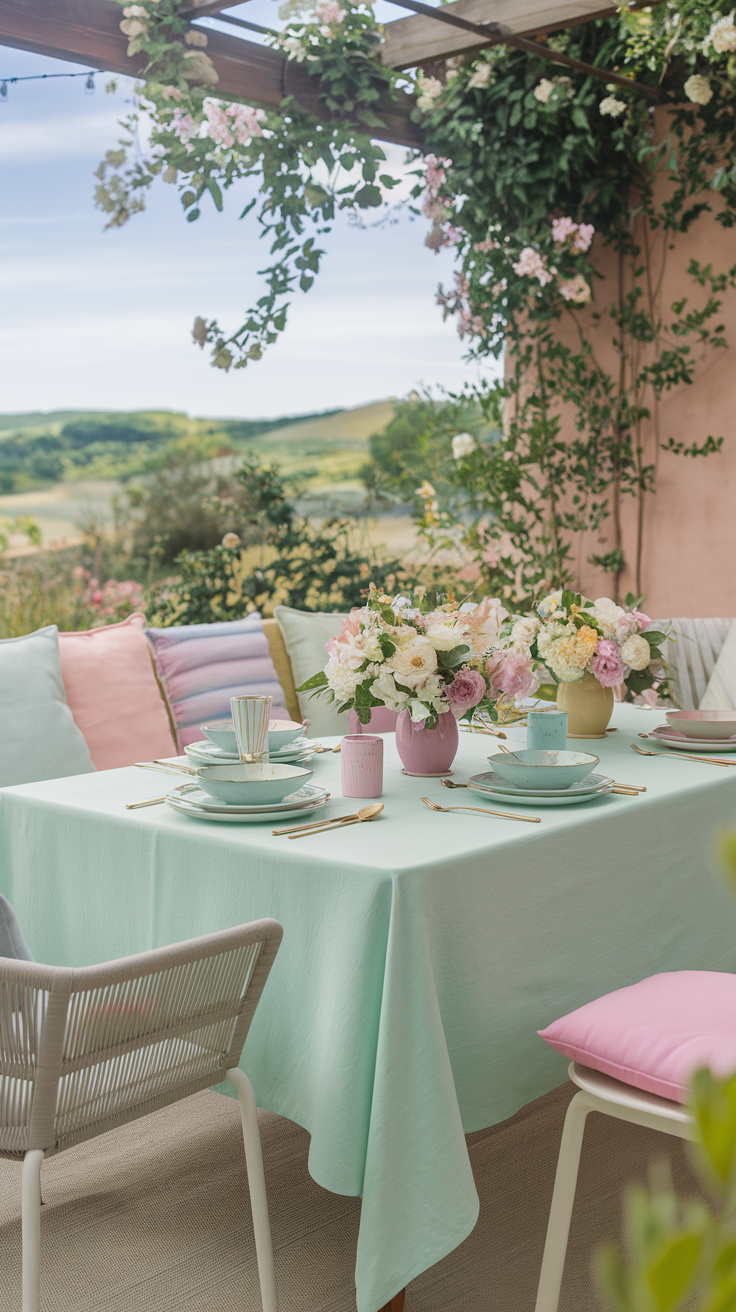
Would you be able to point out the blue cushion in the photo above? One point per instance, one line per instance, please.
(39, 736)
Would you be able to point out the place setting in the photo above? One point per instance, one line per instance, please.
(685, 732)
(287, 744)
(248, 785)
(541, 775)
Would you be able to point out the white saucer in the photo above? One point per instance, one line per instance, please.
(682, 743)
(493, 782)
(205, 753)
(187, 799)
(560, 798)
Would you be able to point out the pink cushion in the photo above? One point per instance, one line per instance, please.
(203, 665)
(112, 693)
(655, 1034)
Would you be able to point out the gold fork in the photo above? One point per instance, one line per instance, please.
(505, 815)
(682, 756)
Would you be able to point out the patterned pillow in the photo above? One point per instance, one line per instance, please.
(201, 666)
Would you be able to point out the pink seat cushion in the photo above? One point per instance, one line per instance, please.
(202, 666)
(654, 1035)
(113, 695)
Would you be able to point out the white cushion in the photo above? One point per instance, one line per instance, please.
(39, 737)
(305, 634)
(720, 695)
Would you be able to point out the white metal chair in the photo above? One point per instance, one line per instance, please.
(598, 1093)
(84, 1051)
(692, 655)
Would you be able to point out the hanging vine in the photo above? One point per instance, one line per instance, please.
(533, 178)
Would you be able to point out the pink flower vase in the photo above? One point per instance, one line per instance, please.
(423, 751)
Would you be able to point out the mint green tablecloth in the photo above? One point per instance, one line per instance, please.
(420, 955)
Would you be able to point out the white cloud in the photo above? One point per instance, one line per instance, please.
(62, 136)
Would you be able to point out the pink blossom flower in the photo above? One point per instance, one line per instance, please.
(466, 690)
(329, 11)
(512, 672)
(562, 229)
(531, 264)
(351, 624)
(650, 698)
(642, 620)
(184, 126)
(608, 667)
(583, 237)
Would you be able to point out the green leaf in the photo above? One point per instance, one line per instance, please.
(317, 681)
(215, 193)
(368, 197)
(568, 599)
(450, 660)
(672, 1273)
(192, 215)
(654, 637)
(714, 1106)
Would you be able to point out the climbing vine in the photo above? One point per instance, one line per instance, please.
(537, 177)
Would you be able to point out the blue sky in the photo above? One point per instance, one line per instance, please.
(94, 319)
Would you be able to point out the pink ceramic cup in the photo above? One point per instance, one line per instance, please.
(361, 765)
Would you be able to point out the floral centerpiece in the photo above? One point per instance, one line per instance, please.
(574, 637)
(427, 657)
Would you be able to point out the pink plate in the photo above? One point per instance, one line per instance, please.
(717, 725)
(664, 734)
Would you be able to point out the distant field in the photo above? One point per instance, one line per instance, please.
(327, 450)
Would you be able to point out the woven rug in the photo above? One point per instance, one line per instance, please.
(154, 1217)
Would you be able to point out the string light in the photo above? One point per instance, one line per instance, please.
(6, 82)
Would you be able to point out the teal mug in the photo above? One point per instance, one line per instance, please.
(546, 730)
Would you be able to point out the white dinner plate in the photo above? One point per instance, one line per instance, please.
(682, 744)
(560, 798)
(493, 781)
(308, 795)
(186, 800)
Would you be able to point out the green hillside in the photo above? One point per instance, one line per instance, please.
(63, 468)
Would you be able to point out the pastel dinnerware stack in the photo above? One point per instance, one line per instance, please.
(701, 731)
(542, 778)
(286, 744)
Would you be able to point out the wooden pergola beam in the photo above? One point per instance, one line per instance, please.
(419, 40)
(87, 32)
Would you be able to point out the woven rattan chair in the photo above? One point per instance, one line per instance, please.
(83, 1051)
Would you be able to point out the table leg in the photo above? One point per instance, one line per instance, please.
(396, 1304)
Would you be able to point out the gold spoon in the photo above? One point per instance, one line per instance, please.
(365, 813)
(319, 824)
(505, 815)
(681, 756)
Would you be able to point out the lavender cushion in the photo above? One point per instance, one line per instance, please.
(203, 665)
(654, 1035)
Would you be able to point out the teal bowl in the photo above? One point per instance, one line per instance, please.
(280, 734)
(544, 768)
(252, 785)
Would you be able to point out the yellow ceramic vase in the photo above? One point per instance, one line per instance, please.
(589, 707)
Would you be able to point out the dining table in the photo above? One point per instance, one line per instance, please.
(421, 954)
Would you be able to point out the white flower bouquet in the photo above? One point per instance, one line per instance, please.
(426, 658)
(573, 636)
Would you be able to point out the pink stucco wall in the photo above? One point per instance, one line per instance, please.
(690, 522)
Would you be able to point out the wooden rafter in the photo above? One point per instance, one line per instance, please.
(494, 34)
(88, 32)
(424, 39)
